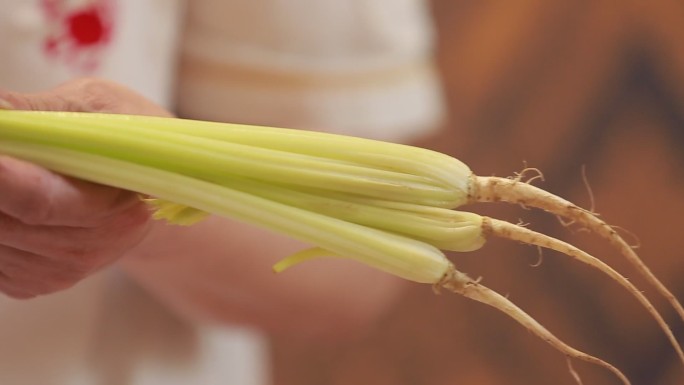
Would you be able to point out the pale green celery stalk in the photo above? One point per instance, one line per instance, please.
(216, 161)
(353, 149)
(402, 256)
(450, 230)
(390, 156)
(445, 170)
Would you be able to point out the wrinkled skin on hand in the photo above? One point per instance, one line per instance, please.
(54, 230)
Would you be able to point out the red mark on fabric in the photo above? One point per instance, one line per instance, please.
(87, 28)
(78, 32)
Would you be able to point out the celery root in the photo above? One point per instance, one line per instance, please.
(493, 189)
(510, 231)
(461, 284)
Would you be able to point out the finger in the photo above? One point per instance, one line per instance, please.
(86, 248)
(83, 95)
(24, 274)
(10, 290)
(37, 196)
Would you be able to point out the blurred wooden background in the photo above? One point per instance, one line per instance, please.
(558, 85)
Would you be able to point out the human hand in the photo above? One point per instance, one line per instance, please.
(54, 230)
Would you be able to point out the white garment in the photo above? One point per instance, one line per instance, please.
(140, 52)
(107, 331)
(359, 67)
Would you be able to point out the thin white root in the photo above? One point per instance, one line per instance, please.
(460, 283)
(540, 259)
(590, 192)
(510, 231)
(636, 241)
(495, 189)
(574, 373)
(520, 175)
(564, 222)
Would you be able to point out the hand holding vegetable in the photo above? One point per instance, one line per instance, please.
(217, 269)
(55, 230)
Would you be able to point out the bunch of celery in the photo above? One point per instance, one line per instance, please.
(383, 204)
(387, 205)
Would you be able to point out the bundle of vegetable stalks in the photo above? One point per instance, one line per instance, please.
(386, 205)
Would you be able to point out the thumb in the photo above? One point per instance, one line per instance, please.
(42, 101)
(83, 95)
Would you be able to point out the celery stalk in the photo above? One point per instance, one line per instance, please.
(219, 161)
(398, 255)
